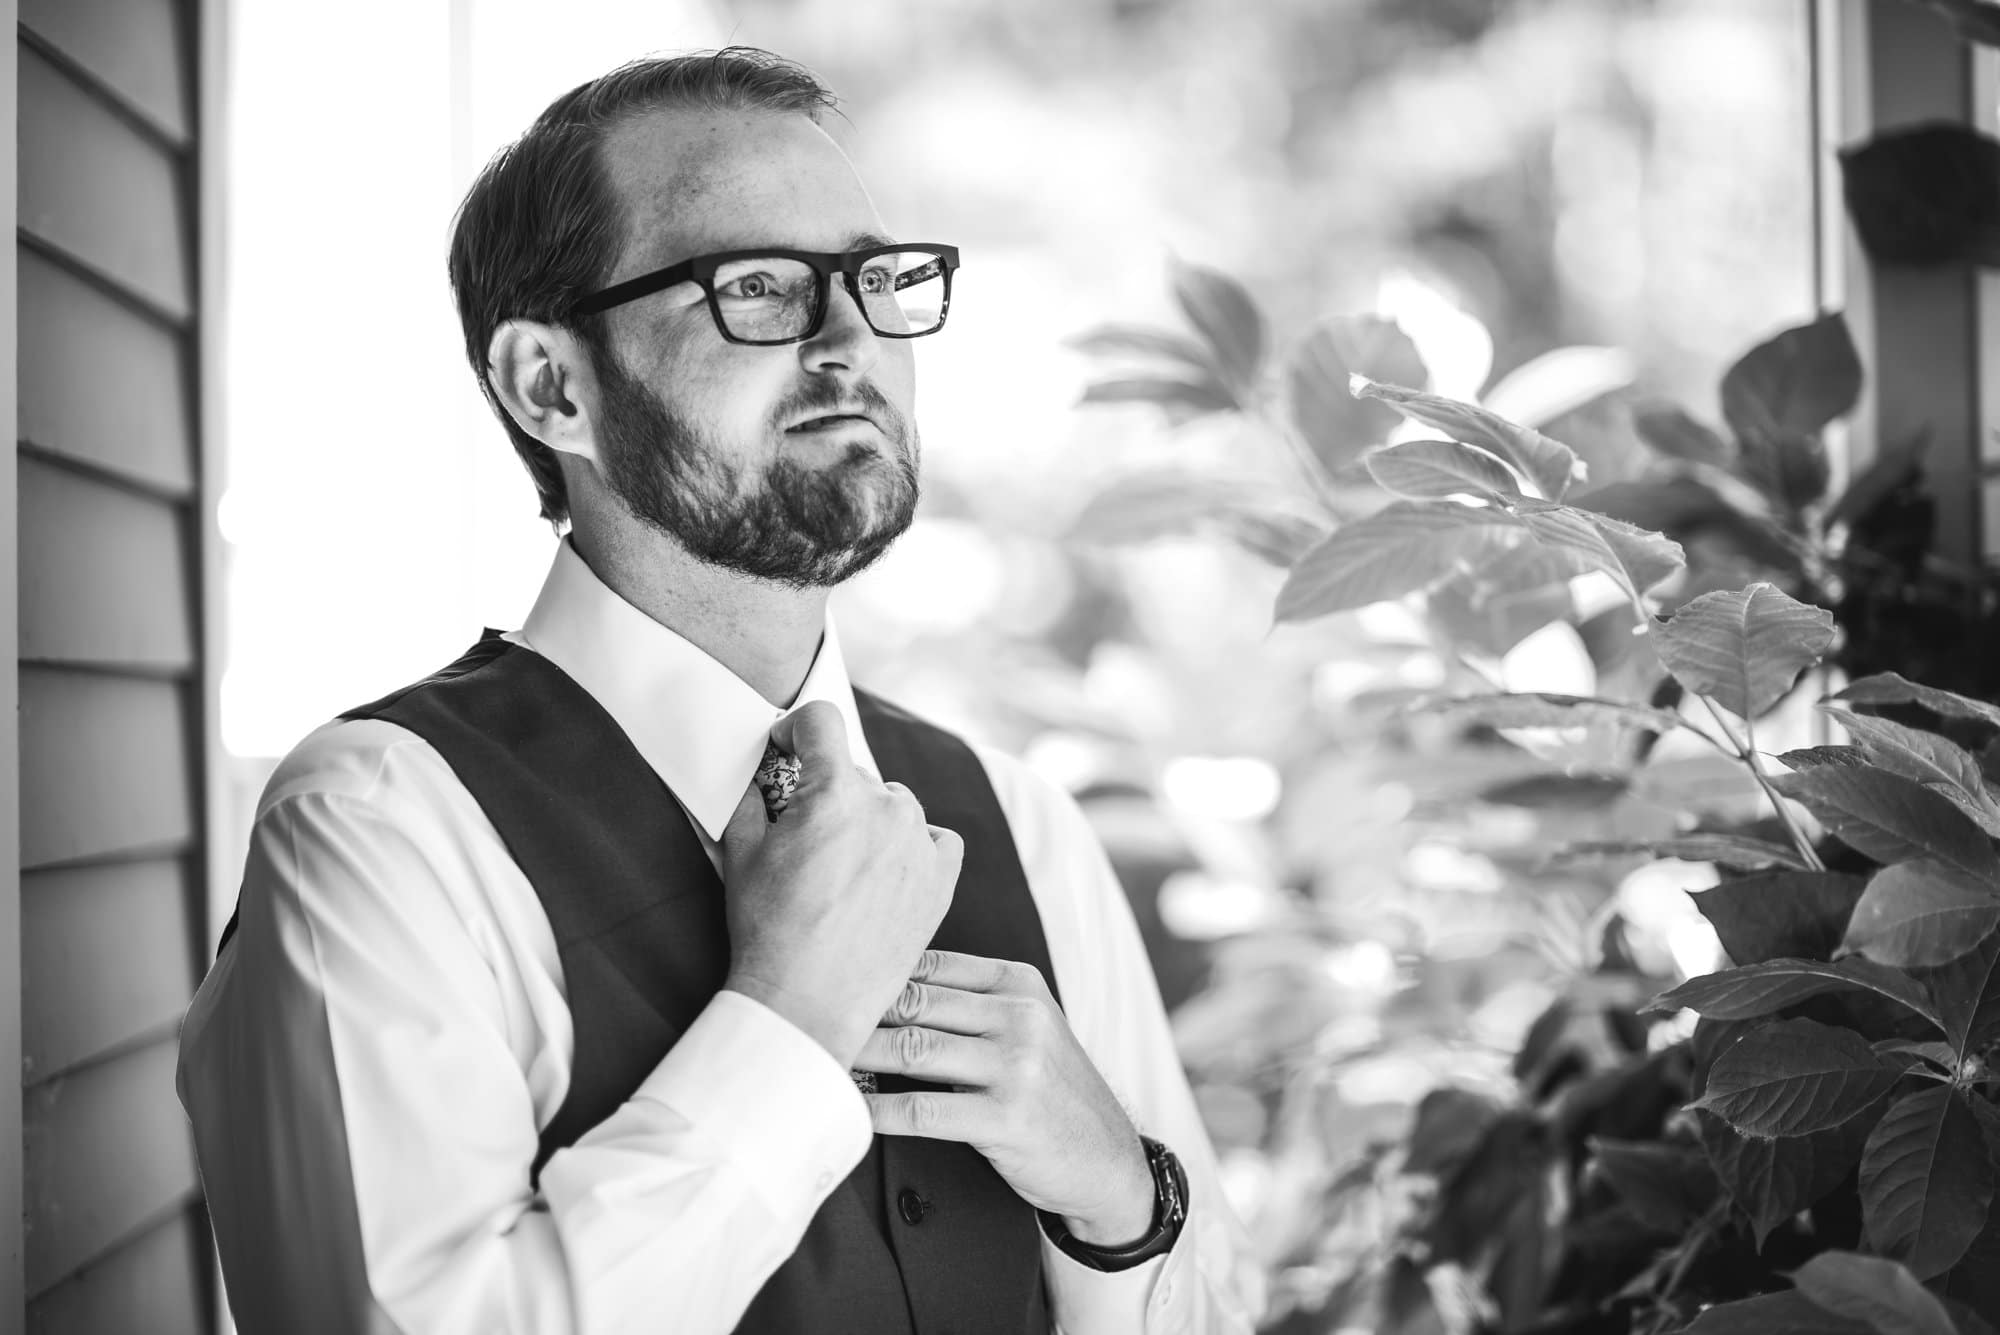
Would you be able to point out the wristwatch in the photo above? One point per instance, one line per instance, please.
(1170, 1194)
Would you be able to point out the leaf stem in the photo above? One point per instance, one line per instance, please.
(1748, 756)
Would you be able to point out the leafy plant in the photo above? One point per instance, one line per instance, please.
(1805, 1141)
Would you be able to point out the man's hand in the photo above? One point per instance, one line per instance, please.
(1025, 1094)
(830, 904)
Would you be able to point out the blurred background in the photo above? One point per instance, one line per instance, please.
(1566, 206)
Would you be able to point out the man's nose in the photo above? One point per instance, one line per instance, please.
(845, 340)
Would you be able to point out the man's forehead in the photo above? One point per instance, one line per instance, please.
(695, 181)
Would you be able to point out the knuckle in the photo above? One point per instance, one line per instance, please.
(923, 1111)
(913, 1045)
(909, 1002)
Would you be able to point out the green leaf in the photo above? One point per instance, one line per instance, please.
(1761, 989)
(1222, 312)
(1921, 913)
(1672, 432)
(1278, 538)
(1450, 1124)
(1181, 400)
(1933, 1053)
(1967, 995)
(1591, 541)
(1337, 426)
(1544, 709)
(1782, 914)
(1666, 1187)
(1567, 792)
(1733, 850)
(1890, 818)
(1890, 688)
(1787, 1313)
(1926, 1181)
(1184, 357)
(1648, 557)
(1400, 549)
(1499, 604)
(1795, 1077)
(1795, 383)
(1432, 470)
(1814, 757)
(1549, 464)
(1881, 1292)
(1743, 649)
(1770, 1181)
(1792, 469)
(1937, 763)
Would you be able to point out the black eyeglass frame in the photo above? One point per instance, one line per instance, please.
(824, 264)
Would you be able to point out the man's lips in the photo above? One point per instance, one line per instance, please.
(830, 422)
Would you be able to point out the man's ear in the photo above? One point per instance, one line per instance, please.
(543, 378)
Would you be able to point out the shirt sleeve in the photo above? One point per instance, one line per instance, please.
(1210, 1282)
(361, 1076)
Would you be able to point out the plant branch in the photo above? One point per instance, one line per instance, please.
(1749, 758)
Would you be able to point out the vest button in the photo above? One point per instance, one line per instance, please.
(911, 1206)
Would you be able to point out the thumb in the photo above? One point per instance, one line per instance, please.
(747, 826)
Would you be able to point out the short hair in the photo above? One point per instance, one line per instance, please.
(542, 225)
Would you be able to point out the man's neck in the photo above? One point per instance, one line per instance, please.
(765, 633)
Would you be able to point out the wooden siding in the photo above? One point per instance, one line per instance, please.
(107, 1156)
(109, 766)
(111, 677)
(98, 189)
(153, 1284)
(86, 992)
(104, 574)
(132, 50)
(74, 333)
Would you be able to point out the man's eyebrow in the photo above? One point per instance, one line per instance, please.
(868, 240)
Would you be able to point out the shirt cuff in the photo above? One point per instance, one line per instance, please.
(1084, 1301)
(776, 1105)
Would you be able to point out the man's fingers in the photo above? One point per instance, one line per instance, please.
(930, 1054)
(950, 848)
(951, 1009)
(817, 735)
(932, 1114)
(977, 973)
(746, 824)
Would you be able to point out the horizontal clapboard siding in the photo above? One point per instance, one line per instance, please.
(101, 382)
(110, 534)
(89, 991)
(107, 766)
(131, 49)
(106, 1156)
(104, 573)
(153, 1284)
(96, 188)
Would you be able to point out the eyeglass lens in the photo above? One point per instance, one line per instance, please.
(902, 292)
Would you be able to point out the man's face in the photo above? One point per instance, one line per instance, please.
(795, 463)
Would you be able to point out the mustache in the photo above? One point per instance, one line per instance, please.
(818, 400)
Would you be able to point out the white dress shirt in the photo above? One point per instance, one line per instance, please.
(369, 1066)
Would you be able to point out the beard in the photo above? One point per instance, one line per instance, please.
(805, 525)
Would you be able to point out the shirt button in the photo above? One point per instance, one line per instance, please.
(911, 1206)
(823, 1181)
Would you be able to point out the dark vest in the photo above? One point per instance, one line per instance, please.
(923, 1237)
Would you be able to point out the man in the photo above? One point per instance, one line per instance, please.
(537, 1016)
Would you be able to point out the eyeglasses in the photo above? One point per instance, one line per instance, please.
(767, 297)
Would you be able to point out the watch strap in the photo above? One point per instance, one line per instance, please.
(1170, 1195)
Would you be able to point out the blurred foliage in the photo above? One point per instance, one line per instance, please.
(1570, 1192)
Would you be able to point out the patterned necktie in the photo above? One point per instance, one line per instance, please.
(777, 775)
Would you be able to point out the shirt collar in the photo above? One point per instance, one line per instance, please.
(700, 726)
